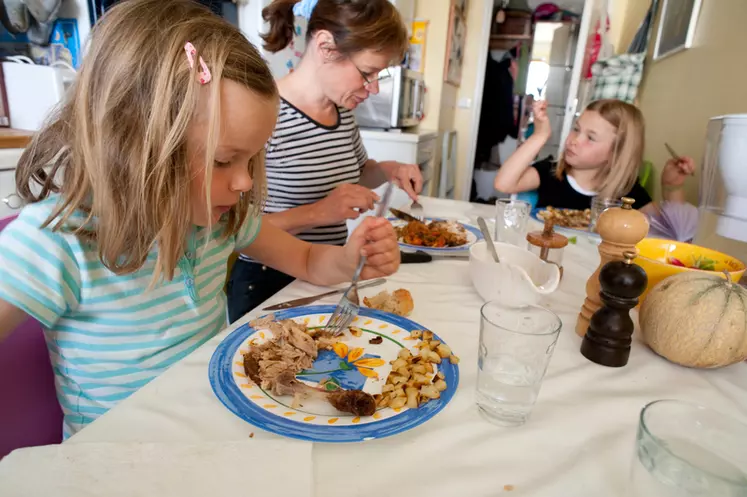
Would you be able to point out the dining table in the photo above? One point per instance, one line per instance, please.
(579, 440)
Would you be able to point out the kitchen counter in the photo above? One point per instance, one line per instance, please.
(15, 138)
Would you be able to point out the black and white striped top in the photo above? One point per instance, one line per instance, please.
(306, 160)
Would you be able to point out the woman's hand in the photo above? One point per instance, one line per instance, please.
(406, 176)
(375, 239)
(541, 121)
(346, 201)
(676, 171)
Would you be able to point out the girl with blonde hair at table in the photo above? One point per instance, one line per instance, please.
(318, 170)
(139, 188)
(602, 156)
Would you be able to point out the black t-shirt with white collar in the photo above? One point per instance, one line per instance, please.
(567, 194)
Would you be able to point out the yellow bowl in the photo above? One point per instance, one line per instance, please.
(654, 254)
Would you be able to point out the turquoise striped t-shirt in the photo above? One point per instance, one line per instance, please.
(109, 335)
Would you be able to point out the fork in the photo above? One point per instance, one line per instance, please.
(416, 210)
(349, 306)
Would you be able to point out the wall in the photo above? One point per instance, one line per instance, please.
(681, 92)
(441, 96)
(463, 117)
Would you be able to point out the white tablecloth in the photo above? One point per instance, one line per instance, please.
(578, 442)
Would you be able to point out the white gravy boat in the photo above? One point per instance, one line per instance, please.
(520, 278)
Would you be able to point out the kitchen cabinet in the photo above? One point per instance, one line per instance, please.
(10, 203)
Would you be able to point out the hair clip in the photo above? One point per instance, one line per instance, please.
(205, 75)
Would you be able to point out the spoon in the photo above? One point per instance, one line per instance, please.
(488, 238)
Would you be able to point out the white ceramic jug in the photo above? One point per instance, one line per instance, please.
(520, 278)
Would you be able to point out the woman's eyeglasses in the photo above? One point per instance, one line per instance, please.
(370, 79)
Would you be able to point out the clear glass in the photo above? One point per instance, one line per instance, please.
(599, 205)
(516, 344)
(686, 450)
(511, 218)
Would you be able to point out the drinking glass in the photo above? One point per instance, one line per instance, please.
(511, 218)
(599, 205)
(516, 344)
(686, 450)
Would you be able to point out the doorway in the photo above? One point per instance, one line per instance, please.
(550, 55)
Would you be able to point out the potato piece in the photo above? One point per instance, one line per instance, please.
(404, 371)
(387, 388)
(412, 398)
(416, 333)
(440, 375)
(443, 350)
(453, 359)
(399, 392)
(434, 344)
(430, 392)
(397, 379)
(398, 403)
(428, 367)
(383, 402)
(427, 336)
(440, 385)
(404, 354)
(420, 379)
(399, 363)
(419, 369)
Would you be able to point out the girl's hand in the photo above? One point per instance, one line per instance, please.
(541, 121)
(375, 239)
(676, 171)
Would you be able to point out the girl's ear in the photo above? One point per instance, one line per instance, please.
(326, 46)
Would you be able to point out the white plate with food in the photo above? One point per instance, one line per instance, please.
(285, 374)
(566, 219)
(436, 236)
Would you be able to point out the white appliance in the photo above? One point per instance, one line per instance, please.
(33, 91)
(722, 224)
(417, 147)
(399, 103)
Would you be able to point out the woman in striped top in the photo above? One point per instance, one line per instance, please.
(315, 157)
(159, 154)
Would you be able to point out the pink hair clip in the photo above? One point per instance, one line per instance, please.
(205, 75)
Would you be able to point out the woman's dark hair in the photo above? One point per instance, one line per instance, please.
(355, 25)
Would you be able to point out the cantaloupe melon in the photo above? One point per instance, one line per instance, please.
(696, 319)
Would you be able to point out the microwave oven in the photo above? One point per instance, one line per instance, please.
(399, 103)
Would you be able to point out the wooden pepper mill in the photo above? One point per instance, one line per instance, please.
(548, 244)
(607, 341)
(621, 228)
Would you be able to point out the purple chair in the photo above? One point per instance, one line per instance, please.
(29, 412)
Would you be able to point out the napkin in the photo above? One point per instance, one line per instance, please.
(252, 467)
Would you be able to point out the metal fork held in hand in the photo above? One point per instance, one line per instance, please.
(416, 210)
(349, 305)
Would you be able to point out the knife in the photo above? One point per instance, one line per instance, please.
(403, 215)
(415, 257)
(309, 300)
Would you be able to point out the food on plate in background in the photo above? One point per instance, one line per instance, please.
(399, 302)
(566, 218)
(434, 234)
(696, 320)
(699, 262)
(415, 379)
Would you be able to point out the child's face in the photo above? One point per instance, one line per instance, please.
(344, 80)
(590, 142)
(247, 121)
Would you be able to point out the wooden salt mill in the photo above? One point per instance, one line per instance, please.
(548, 245)
(621, 228)
(607, 341)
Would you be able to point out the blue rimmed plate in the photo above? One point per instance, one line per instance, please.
(353, 364)
(473, 235)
